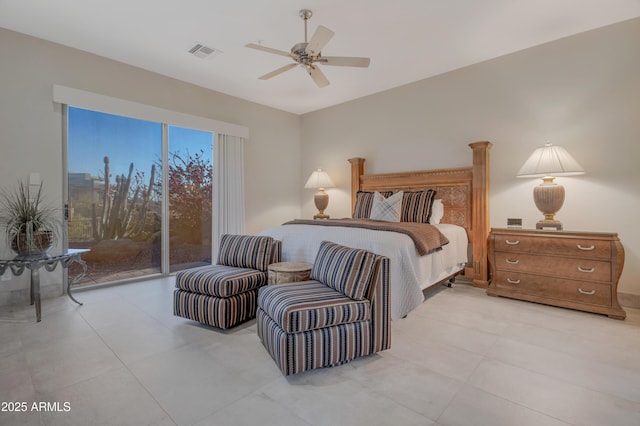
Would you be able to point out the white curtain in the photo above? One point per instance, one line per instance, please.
(228, 188)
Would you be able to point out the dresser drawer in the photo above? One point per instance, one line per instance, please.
(579, 247)
(553, 288)
(563, 267)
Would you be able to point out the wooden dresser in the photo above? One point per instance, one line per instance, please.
(578, 270)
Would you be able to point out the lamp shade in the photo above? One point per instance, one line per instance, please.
(550, 160)
(319, 179)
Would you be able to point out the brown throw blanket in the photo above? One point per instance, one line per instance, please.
(427, 238)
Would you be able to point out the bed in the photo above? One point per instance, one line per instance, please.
(465, 224)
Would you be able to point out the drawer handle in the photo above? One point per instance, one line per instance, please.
(512, 243)
(581, 247)
(589, 293)
(590, 270)
(510, 281)
(512, 262)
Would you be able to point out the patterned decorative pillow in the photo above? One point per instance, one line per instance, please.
(416, 206)
(364, 201)
(387, 209)
(245, 251)
(344, 269)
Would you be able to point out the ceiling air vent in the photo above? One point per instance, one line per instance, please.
(203, 52)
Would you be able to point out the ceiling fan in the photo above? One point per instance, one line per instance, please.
(308, 54)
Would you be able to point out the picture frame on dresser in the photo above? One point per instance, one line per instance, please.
(576, 270)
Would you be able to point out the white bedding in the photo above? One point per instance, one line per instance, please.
(409, 273)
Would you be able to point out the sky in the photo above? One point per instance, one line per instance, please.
(94, 135)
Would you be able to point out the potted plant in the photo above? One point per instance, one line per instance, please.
(30, 224)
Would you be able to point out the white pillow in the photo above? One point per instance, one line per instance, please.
(437, 211)
(388, 209)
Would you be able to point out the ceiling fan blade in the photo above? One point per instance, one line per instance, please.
(278, 71)
(345, 61)
(319, 39)
(267, 49)
(318, 76)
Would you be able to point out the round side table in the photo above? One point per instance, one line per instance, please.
(289, 272)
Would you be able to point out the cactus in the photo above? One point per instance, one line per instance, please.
(122, 216)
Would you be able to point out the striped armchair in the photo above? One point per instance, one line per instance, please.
(224, 295)
(341, 314)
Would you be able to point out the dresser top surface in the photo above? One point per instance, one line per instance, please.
(557, 234)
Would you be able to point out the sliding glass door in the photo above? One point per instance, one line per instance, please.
(190, 196)
(139, 195)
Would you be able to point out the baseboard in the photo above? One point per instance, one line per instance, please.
(629, 300)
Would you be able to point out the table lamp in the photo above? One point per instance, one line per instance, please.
(548, 162)
(320, 180)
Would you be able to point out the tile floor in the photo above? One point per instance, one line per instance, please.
(461, 358)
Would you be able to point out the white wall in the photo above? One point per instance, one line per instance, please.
(582, 92)
(31, 132)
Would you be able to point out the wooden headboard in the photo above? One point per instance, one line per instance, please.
(464, 192)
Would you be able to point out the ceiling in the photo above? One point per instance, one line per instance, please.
(407, 40)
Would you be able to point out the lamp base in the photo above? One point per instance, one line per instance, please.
(549, 198)
(321, 200)
(544, 224)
